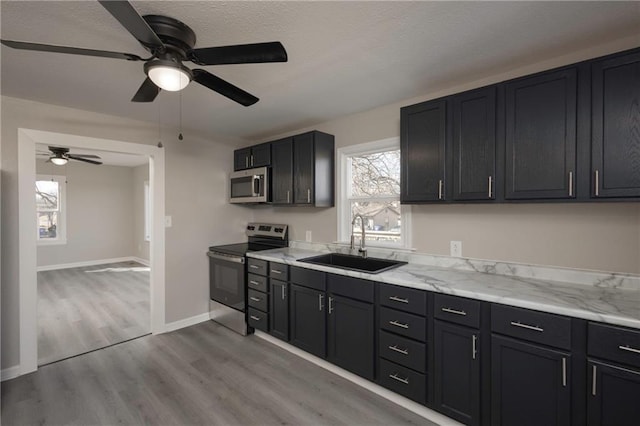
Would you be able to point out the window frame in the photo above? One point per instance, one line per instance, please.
(343, 202)
(61, 229)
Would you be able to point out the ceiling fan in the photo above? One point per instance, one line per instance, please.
(171, 42)
(60, 156)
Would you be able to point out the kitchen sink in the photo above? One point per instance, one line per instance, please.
(370, 265)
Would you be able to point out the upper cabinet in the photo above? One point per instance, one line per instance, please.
(564, 135)
(615, 100)
(282, 171)
(255, 156)
(541, 136)
(423, 138)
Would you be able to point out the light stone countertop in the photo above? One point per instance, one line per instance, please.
(607, 304)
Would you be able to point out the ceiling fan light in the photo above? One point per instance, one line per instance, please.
(59, 161)
(168, 75)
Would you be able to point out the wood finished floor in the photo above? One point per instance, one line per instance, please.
(87, 308)
(201, 375)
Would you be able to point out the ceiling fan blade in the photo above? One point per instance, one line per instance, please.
(73, 157)
(70, 50)
(86, 156)
(239, 54)
(134, 23)
(147, 92)
(223, 87)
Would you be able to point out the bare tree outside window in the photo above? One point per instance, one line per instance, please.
(48, 208)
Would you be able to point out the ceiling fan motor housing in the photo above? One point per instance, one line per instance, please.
(176, 35)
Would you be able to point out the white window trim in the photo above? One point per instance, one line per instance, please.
(61, 233)
(147, 211)
(344, 224)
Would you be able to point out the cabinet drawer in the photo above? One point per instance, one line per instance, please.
(256, 266)
(614, 343)
(457, 309)
(257, 300)
(404, 299)
(403, 351)
(257, 282)
(279, 271)
(402, 380)
(354, 288)
(258, 320)
(308, 278)
(540, 327)
(403, 323)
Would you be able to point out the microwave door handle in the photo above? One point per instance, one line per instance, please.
(256, 185)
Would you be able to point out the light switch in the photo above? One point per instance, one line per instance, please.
(167, 221)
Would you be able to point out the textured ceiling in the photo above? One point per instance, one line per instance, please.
(344, 57)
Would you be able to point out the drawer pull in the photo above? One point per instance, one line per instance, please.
(474, 348)
(399, 324)
(275, 271)
(527, 326)
(564, 372)
(254, 267)
(593, 380)
(254, 282)
(454, 311)
(629, 349)
(398, 299)
(255, 318)
(398, 378)
(396, 349)
(255, 299)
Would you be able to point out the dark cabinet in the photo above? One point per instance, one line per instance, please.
(474, 145)
(615, 118)
(279, 309)
(351, 335)
(613, 395)
(530, 384)
(423, 138)
(308, 320)
(457, 372)
(313, 169)
(541, 136)
(255, 156)
(282, 171)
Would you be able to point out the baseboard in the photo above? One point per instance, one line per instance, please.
(187, 322)
(91, 263)
(9, 373)
(142, 261)
(410, 405)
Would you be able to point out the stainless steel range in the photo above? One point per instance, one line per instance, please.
(228, 273)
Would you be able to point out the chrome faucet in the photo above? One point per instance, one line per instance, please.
(362, 250)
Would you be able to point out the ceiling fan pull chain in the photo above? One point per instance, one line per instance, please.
(180, 137)
(159, 128)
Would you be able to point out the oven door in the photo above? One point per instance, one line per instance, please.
(227, 280)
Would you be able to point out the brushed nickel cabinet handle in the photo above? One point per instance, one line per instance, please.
(440, 185)
(398, 378)
(275, 271)
(597, 182)
(255, 318)
(395, 348)
(254, 282)
(330, 305)
(474, 349)
(570, 184)
(490, 186)
(593, 380)
(251, 160)
(454, 311)
(398, 299)
(308, 195)
(399, 324)
(288, 196)
(283, 293)
(564, 372)
(255, 299)
(527, 326)
(320, 300)
(254, 267)
(629, 349)
(246, 162)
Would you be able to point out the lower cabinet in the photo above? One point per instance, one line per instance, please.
(308, 320)
(457, 372)
(351, 335)
(620, 404)
(529, 384)
(279, 310)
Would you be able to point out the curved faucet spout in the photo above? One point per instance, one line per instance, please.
(362, 250)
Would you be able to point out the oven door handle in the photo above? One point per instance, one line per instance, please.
(227, 258)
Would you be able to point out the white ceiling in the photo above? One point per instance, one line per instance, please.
(107, 157)
(344, 56)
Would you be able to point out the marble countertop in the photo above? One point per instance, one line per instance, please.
(612, 305)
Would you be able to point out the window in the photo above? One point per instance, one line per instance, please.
(370, 186)
(50, 209)
(147, 211)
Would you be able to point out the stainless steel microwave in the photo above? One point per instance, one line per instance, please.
(249, 186)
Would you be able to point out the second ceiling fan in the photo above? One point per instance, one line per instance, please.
(170, 43)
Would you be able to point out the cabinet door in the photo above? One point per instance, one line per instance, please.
(616, 127)
(241, 159)
(282, 171)
(613, 395)
(541, 136)
(308, 322)
(303, 172)
(422, 151)
(457, 372)
(279, 310)
(530, 384)
(474, 145)
(261, 155)
(350, 335)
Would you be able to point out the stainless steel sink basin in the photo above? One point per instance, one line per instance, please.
(370, 265)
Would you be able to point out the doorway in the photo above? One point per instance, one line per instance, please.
(27, 140)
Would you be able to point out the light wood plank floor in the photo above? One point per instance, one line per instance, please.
(201, 375)
(87, 308)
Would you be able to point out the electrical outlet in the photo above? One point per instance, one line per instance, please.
(456, 248)
(307, 236)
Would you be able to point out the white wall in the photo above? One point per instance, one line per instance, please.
(99, 213)
(140, 246)
(195, 177)
(594, 236)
